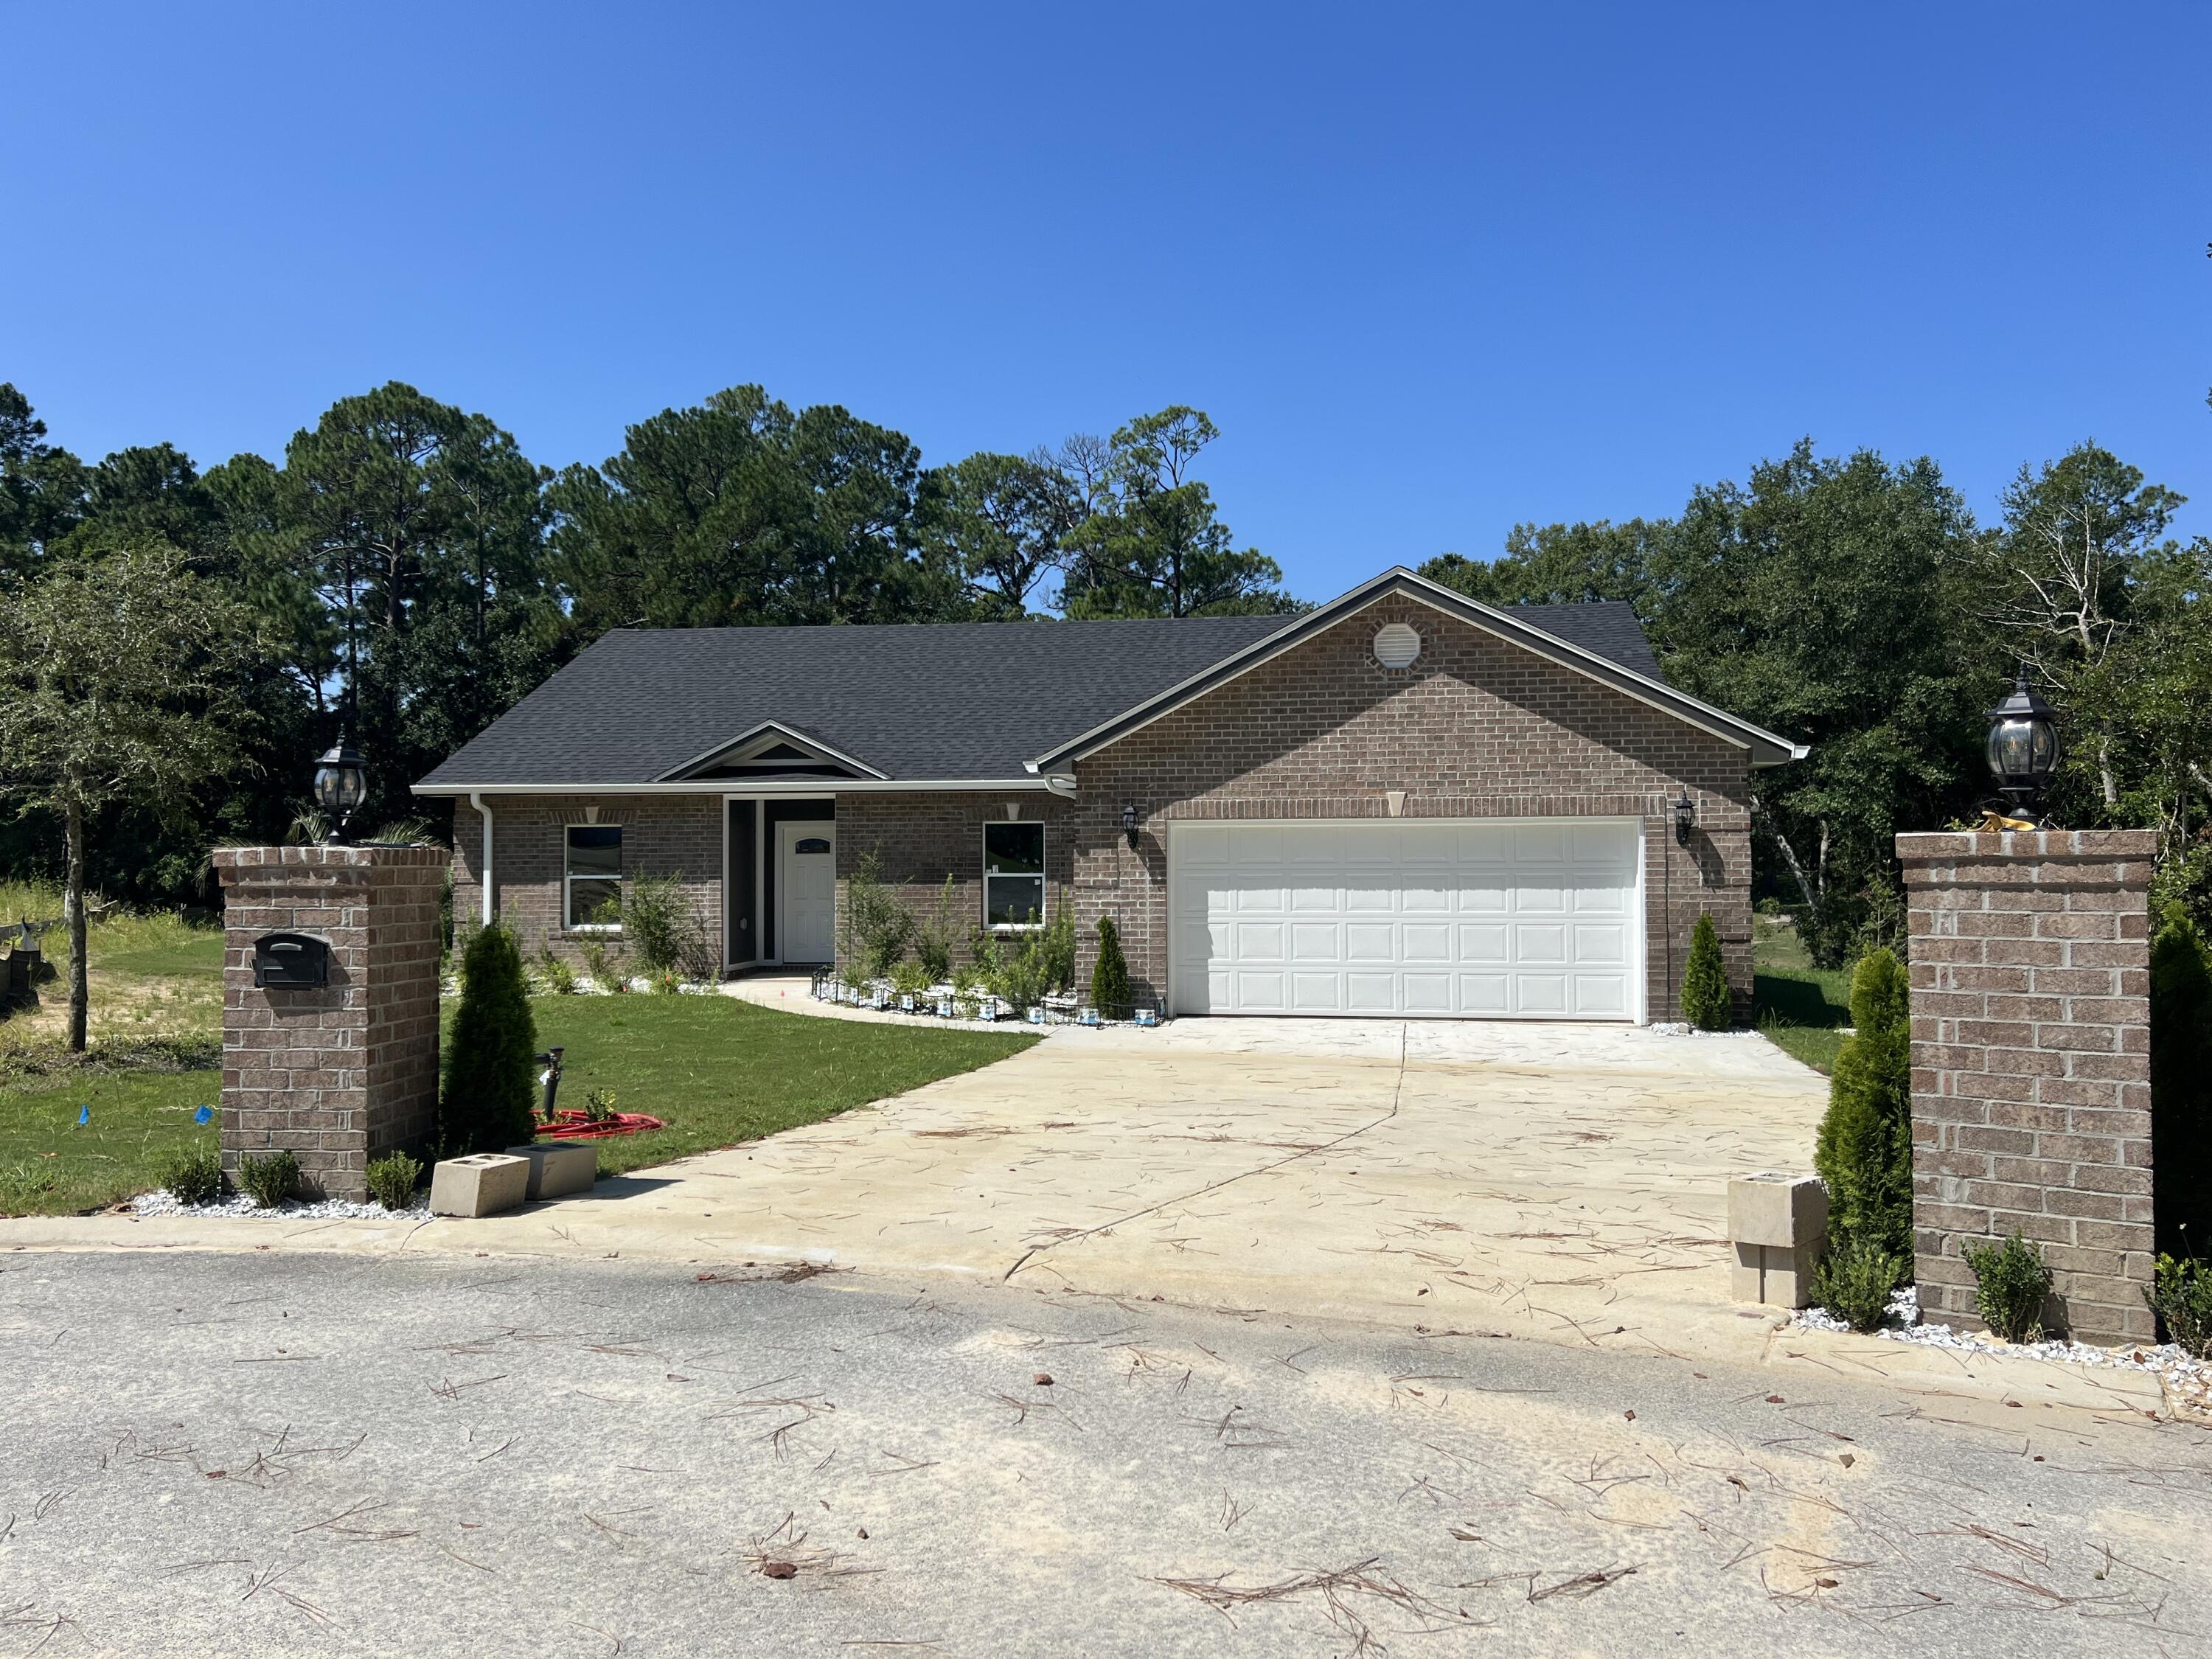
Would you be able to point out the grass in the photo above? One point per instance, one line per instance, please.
(721, 1072)
(1800, 1009)
(140, 1121)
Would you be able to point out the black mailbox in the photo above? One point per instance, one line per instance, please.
(290, 959)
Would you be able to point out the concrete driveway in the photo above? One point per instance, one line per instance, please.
(1558, 1180)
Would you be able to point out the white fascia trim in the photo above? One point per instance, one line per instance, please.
(790, 733)
(737, 789)
(1665, 699)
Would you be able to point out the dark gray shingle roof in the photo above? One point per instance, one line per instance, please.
(942, 700)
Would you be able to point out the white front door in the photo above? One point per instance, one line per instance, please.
(1407, 917)
(806, 891)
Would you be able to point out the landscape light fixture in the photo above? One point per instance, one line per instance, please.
(1686, 819)
(341, 781)
(1129, 822)
(2023, 746)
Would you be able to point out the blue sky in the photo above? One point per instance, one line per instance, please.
(1431, 270)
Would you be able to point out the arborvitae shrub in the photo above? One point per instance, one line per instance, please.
(487, 1099)
(1864, 1152)
(1109, 978)
(1706, 1002)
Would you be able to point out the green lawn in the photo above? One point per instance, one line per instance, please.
(1801, 1009)
(720, 1070)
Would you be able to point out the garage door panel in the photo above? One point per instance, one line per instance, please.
(1409, 919)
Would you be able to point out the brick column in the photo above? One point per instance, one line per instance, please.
(2031, 1064)
(346, 1072)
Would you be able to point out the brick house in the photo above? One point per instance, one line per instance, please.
(1401, 803)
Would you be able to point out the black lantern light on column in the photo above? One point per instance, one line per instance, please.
(341, 781)
(2023, 747)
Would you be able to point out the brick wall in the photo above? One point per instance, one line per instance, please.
(342, 1073)
(919, 839)
(1477, 727)
(662, 836)
(2031, 1064)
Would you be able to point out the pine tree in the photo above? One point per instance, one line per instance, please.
(487, 1100)
(1864, 1152)
(1706, 1001)
(1109, 979)
(2181, 1087)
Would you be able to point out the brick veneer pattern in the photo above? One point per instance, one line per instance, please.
(1477, 727)
(662, 836)
(919, 839)
(343, 1073)
(2031, 1064)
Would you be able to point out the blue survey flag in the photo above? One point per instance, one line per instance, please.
(83, 1115)
(203, 1115)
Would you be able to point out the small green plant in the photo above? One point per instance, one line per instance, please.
(1109, 976)
(933, 935)
(1706, 1001)
(391, 1180)
(555, 975)
(486, 1102)
(1057, 949)
(1015, 970)
(2180, 1293)
(21, 1185)
(270, 1178)
(599, 963)
(2011, 1285)
(1854, 1281)
(599, 1106)
(667, 983)
(910, 978)
(195, 1178)
(655, 918)
(878, 927)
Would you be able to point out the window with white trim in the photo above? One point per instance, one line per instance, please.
(593, 875)
(1013, 875)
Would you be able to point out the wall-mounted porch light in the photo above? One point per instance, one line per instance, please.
(1686, 819)
(1129, 822)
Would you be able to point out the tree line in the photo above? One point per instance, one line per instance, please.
(408, 572)
(406, 568)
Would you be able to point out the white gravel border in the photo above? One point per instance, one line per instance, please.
(162, 1201)
(2188, 1379)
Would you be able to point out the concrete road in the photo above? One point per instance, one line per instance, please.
(264, 1452)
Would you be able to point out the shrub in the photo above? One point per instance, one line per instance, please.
(2180, 1084)
(271, 1179)
(2011, 1285)
(1864, 1152)
(485, 1104)
(391, 1180)
(933, 935)
(1056, 947)
(667, 983)
(910, 978)
(1109, 976)
(1707, 1003)
(599, 962)
(1854, 1281)
(876, 926)
(599, 1106)
(1014, 973)
(196, 1177)
(554, 973)
(2180, 1293)
(655, 917)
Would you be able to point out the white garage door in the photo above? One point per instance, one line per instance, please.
(1406, 917)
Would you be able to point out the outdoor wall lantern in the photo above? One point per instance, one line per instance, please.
(341, 779)
(2023, 746)
(1686, 819)
(1129, 822)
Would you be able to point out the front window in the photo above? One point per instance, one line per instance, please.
(1013, 874)
(594, 874)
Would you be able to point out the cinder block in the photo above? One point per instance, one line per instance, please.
(559, 1167)
(1771, 1274)
(482, 1184)
(1785, 1211)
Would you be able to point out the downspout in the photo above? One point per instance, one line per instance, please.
(477, 800)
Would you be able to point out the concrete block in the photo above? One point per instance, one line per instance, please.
(1787, 1211)
(559, 1167)
(1769, 1274)
(482, 1184)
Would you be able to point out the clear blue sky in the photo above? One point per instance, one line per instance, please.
(1433, 271)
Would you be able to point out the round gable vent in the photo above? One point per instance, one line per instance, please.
(1396, 645)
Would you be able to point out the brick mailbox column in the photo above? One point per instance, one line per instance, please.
(2031, 1064)
(344, 1073)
